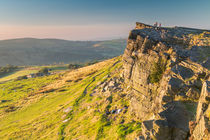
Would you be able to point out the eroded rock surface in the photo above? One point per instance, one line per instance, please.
(165, 78)
(201, 130)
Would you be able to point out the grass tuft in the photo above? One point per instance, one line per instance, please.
(157, 71)
(125, 129)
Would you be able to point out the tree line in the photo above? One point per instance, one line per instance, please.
(6, 69)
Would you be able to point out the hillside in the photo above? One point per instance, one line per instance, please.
(158, 89)
(66, 105)
(30, 51)
(26, 70)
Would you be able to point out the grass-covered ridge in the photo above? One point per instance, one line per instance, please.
(40, 104)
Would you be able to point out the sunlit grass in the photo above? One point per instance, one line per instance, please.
(16, 74)
(41, 115)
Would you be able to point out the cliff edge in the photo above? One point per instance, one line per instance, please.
(165, 69)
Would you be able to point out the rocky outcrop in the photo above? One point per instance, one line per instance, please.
(165, 80)
(201, 129)
(140, 25)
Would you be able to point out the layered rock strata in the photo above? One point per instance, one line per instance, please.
(165, 76)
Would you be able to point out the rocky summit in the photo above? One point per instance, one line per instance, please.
(168, 75)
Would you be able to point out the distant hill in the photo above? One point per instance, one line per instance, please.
(31, 51)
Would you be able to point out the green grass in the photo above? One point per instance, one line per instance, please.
(44, 111)
(41, 116)
(59, 68)
(157, 71)
(16, 74)
(90, 84)
(33, 69)
(103, 122)
(125, 129)
(13, 90)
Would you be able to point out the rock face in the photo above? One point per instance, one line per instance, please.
(202, 128)
(140, 25)
(165, 80)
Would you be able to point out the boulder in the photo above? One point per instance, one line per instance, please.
(67, 110)
(184, 72)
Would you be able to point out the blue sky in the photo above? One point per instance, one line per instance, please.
(96, 19)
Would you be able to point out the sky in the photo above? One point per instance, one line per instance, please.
(95, 19)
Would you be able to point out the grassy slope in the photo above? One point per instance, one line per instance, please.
(15, 74)
(39, 112)
(28, 70)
